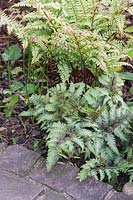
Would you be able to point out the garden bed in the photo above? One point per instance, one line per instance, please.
(24, 130)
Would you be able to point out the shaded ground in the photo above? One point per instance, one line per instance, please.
(25, 132)
(16, 130)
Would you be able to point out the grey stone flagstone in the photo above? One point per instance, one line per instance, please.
(18, 159)
(128, 189)
(2, 147)
(118, 196)
(23, 176)
(12, 187)
(88, 190)
(48, 194)
(59, 178)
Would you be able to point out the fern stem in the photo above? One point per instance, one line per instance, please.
(9, 64)
(81, 55)
(29, 64)
(53, 25)
(24, 68)
(82, 6)
(93, 16)
(74, 10)
(9, 73)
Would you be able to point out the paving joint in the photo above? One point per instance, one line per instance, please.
(24, 177)
(109, 194)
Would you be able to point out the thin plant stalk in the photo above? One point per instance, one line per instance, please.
(9, 72)
(9, 64)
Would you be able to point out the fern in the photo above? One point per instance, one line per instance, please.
(94, 122)
(73, 33)
(78, 120)
(74, 9)
(95, 169)
(59, 131)
(64, 71)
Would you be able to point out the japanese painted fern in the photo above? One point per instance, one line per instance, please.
(94, 122)
(73, 33)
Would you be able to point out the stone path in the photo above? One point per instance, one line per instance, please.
(23, 177)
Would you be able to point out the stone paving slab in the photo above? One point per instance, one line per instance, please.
(128, 189)
(23, 176)
(113, 195)
(18, 159)
(88, 190)
(12, 187)
(59, 178)
(121, 196)
(48, 194)
(2, 147)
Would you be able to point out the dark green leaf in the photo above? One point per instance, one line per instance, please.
(36, 145)
(127, 76)
(8, 111)
(16, 86)
(130, 28)
(131, 90)
(28, 113)
(13, 100)
(29, 89)
(12, 53)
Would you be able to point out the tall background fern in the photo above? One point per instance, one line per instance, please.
(76, 34)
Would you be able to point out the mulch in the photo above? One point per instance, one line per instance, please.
(15, 130)
(24, 131)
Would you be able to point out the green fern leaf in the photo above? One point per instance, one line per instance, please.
(112, 143)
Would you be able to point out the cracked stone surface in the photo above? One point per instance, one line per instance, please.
(12, 187)
(88, 190)
(23, 177)
(59, 178)
(119, 196)
(2, 147)
(128, 189)
(18, 159)
(48, 194)
(113, 195)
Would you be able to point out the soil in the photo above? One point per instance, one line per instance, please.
(16, 130)
(13, 129)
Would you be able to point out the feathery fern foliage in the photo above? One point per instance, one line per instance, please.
(73, 33)
(94, 122)
(79, 120)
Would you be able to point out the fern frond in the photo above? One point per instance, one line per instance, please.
(64, 71)
(12, 25)
(59, 131)
(86, 168)
(52, 158)
(112, 143)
